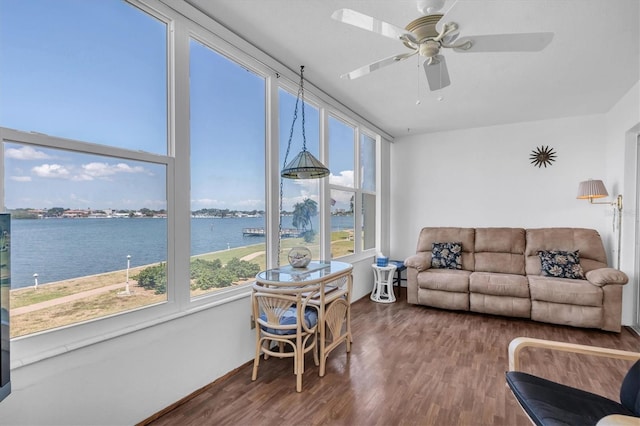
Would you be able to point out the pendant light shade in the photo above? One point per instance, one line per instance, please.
(304, 165)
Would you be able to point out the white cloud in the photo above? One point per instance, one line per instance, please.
(345, 178)
(87, 172)
(98, 170)
(55, 171)
(20, 178)
(25, 153)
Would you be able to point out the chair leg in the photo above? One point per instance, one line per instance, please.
(298, 361)
(256, 360)
(349, 336)
(316, 348)
(266, 343)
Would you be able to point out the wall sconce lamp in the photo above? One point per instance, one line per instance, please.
(590, 189)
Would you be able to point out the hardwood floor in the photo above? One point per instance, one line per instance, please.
(409, 365)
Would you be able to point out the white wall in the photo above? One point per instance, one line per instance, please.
(482, 177)
(623, 126)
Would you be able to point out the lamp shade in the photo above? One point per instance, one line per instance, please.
(304, 166)
(590, 189)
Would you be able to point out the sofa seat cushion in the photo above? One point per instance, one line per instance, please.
(566, 314)
(443, 299)
(499, 284)
(451, 280)
(565, 291)
(500, 305)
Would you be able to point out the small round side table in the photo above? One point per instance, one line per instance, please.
(383, 284)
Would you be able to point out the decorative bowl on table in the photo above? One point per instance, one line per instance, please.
(299, 257)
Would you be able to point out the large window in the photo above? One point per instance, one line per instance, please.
(352, 189)
(343, 200)
(227, 172)
(140, 168)
(89, 218)
(368, 186)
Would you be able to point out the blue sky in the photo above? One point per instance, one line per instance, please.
(95, 71)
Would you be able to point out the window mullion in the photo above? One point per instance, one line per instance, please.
(179, 144)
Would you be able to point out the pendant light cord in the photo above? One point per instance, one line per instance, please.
(286, 155)
(301, 95)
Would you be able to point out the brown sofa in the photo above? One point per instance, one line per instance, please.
(501, 274)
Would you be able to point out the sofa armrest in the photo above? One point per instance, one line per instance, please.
(419, 261)
(604, 276)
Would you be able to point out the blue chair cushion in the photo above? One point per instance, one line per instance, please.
(289, 318)
(551, 403)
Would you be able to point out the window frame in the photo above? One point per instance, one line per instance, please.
(357, 190)
(220, 47)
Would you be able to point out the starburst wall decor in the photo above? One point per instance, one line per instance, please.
(542, 156)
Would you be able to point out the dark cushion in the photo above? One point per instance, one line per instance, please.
(446, 255)
(289, 318)
(551, 403)
(400, 266)
(630, 389)
(561, 264)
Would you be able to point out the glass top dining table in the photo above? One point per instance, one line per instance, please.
(315, 272)
(333, 300)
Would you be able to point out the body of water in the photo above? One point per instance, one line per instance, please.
(60, 249)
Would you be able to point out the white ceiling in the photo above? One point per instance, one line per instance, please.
(593, 59)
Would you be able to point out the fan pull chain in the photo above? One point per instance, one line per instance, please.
(419, 100)
(440, 98)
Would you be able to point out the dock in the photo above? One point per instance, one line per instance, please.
(260, 232)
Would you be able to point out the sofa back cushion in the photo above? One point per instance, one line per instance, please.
(586, 241)
(466, 236)
(500, 250)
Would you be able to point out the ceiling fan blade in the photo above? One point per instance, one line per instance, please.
(437, 73)
(377, 65)
(366, 22)
(525, 42)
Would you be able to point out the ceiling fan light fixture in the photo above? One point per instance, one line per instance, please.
(430, 49)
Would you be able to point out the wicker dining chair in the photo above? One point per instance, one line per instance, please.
(285, 317)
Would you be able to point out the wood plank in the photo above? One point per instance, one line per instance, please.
(409, 365)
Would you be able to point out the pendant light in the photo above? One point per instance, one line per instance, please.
(304, 165)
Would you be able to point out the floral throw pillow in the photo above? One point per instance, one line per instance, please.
(446, 255)
(561, 264)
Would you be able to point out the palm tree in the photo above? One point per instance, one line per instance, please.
(302, 214)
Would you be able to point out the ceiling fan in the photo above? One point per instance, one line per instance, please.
(427, 35)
